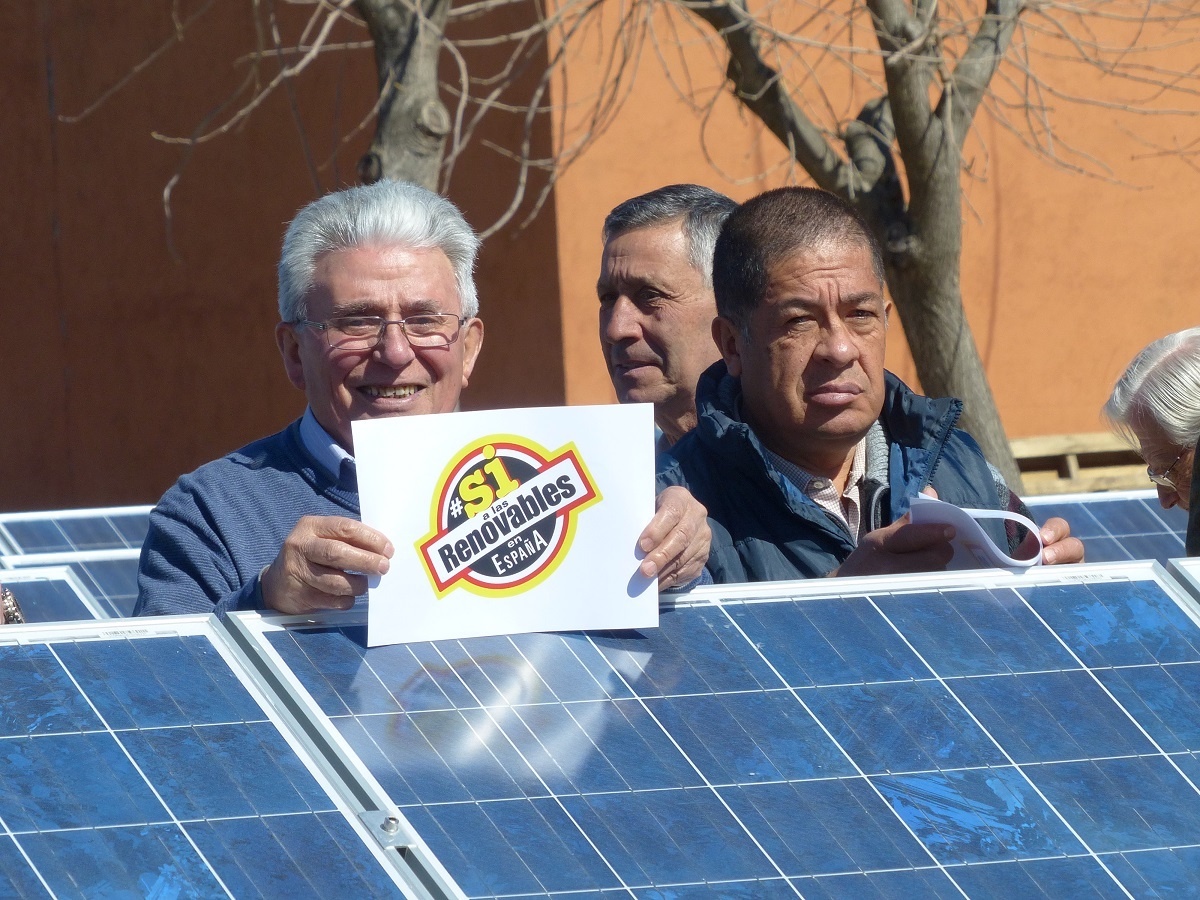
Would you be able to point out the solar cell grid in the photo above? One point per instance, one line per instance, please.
(144, 766)
(1118, 526)
(105, 579)
(67, 531)
(112, 580)
(1032, 739)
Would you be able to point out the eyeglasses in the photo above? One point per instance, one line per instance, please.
(365, 332)
(1163, 478)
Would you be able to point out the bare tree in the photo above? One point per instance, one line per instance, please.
(926, 68)
(412, 122)
(900, 161)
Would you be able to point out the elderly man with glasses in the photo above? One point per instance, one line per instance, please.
(1156, 404)
(378, 318)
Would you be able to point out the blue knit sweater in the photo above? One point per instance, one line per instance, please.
(215, 529)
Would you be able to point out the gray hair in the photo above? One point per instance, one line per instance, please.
(1162, 384)
(384, 213)
(702, 210)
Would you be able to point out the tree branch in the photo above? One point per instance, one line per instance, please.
(978, 64)
(869, 141)
(759, 88)
(911, 56)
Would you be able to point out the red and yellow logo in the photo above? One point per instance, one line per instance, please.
(504, 515)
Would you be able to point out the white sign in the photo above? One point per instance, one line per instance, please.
(509, 521)
(972, 546)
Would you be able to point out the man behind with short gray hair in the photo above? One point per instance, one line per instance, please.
(656, 299)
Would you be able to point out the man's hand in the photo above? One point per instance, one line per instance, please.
(318, 565)
(676, 540)
(901, 547)
(1058, 547)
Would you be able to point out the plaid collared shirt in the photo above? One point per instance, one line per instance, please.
(848, 506)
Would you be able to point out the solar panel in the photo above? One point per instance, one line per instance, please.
(145, 761)
(1118, 526)
(52, 594)
(1187, 572)
(986, 735)
(108, 577)
(72, 530)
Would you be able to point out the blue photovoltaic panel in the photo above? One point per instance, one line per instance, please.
(145, 768)
(1034, 740)
(66, 531)
(1116, 527)
(113, 581)
(101, 547)
(51, 594)
(108, 576)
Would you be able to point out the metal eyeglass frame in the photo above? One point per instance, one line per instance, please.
(421, 341)
(1163, 478)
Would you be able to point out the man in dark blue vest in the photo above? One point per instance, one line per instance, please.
(807, 452)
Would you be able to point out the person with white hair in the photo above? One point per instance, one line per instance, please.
(1156, 405)
(378, 317)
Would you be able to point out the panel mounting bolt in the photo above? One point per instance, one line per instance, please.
(390, 825)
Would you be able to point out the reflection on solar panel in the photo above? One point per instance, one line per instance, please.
(1118, 526)
(66, 531)
(142, 763)
(1026, 736)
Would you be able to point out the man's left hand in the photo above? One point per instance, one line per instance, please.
(676, 540)
(1058, 547)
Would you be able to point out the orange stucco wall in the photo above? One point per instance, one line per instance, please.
(123, 365)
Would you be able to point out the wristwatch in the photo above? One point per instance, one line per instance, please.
(10, 608)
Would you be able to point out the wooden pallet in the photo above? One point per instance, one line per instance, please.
(1070, 463)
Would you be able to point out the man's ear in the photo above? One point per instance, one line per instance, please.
(472, 343)
(728, 338)
(289, 348)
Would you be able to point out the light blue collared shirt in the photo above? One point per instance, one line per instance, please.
(321, 446)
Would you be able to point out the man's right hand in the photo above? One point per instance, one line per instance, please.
(323, 564)
(901, 547)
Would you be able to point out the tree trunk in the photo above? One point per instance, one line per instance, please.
(929, 302)
(412, 124)
(922, 254)
(921, 235)
(924, 241)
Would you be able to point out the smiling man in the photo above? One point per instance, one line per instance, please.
(807, 452)
(378, 317)
(656, 299)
